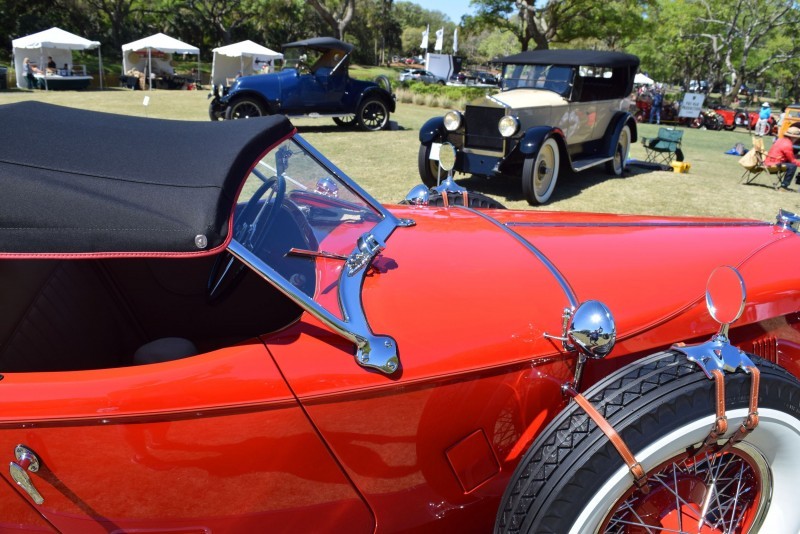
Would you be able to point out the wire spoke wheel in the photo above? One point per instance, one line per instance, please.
(713, 493)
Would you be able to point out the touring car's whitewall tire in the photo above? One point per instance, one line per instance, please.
(540, 174)
(573, 480)
(617, 165)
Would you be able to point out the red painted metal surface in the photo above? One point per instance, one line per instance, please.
(215, 442)
(298, 437)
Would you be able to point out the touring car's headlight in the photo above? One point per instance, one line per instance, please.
(508, 126)
(452, 121)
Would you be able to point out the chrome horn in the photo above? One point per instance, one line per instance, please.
(590, 329)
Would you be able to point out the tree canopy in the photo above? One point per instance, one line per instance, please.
(729, 43)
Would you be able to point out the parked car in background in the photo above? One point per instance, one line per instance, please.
(237, 343)
(421, 75)
(556, 109)
(791, 117)
(486, 78)
(317, 84)
(748, 119)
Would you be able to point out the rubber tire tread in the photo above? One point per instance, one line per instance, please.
(571, 459)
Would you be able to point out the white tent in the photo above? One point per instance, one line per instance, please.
(643, 79)
(140, 53)
(245, 57)
(54, 42)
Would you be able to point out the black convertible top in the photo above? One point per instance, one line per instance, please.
(575, 58)
(90, 183)
(321, 43)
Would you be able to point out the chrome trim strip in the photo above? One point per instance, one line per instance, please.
(671, 224)
(560, 278)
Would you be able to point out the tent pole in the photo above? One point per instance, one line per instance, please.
(100, 60)
(44, 71)
(150, 67)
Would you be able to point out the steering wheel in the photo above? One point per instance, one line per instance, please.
(253, 225)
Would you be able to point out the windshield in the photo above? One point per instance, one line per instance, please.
(312, 60)
(296, 215)
(554, 78)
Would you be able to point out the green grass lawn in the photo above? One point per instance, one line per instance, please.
(385, 163)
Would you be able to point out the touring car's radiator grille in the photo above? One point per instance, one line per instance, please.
(480, 125)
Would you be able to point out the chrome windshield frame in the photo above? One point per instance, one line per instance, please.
(373, 351)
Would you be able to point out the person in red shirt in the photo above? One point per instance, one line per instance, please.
(782, 153)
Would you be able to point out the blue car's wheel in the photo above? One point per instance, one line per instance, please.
(373, 115)
(244, 108)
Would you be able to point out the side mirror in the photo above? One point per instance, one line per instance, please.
(725, 296)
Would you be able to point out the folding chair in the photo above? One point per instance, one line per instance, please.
(665, 147)
(753, 163)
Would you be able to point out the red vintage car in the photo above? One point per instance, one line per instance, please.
(208, 327)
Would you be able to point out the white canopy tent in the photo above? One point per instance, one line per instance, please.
(131, 57)
(245, 57)
(643, 79)
(54, 42)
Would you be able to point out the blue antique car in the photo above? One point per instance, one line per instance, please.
(317, 85)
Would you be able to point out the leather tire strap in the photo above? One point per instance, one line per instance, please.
(721, 423)
(637, 471)
(751, 421)
(445, 200)
(465, 196)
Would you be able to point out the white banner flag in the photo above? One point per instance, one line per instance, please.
(424, 43)
(439, 39)
(455, 40)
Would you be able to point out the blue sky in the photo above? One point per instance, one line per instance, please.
(452, 8)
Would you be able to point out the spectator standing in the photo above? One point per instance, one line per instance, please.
(762, 125)
(782, 153)
(28, 70)
(658, 103)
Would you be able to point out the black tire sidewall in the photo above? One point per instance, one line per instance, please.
(643, 402)
(424, 165)
(229, 111)
(363, 107)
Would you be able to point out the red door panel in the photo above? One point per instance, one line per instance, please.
(215, 442)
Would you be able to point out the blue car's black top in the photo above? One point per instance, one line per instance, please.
(83, 182)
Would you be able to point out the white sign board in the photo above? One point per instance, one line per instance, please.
(692, 105)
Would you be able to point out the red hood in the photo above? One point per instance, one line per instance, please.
(466, 290)
(460, 292)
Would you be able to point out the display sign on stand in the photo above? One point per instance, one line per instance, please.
(692, 105)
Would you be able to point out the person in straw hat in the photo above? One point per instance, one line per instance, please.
(782, 153)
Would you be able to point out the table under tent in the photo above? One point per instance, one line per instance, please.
(147, 63)
(241, 59)
(57, 44)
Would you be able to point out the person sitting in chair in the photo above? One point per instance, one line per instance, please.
(782, 153)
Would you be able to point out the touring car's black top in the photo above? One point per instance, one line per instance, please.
(576, 58)
(83, 182)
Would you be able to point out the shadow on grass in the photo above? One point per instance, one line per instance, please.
(570, 184)
(320, 126)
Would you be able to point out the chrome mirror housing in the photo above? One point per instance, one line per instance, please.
(725, 300)
(592, 329)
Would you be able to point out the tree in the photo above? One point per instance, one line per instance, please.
(337, 17)
(738, 36)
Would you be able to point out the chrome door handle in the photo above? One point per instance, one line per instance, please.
(28, 461)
